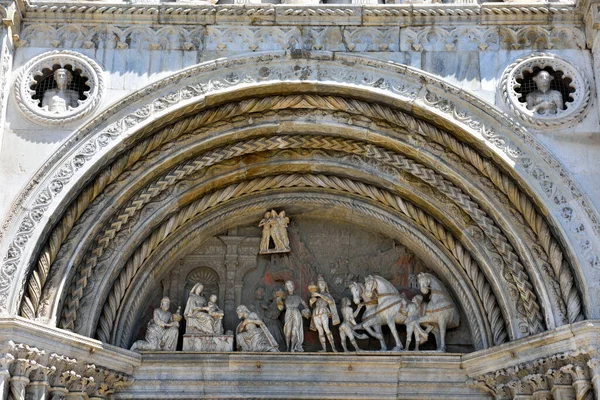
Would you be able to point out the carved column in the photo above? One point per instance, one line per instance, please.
(6, 360)
(77, 385)
(231, 266)
(581, 382)
(594, 365)
(20, 370)
(58, 389)
(539, 385)
(520, 389)
(38, 387)
(560, 383)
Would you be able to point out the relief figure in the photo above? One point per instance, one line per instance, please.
(162, 331)
(252, 334)
(201, 316)
(544, 100)
(346, 328)
(323, 309)
(61, 98)
(274, 227)
(293, 328)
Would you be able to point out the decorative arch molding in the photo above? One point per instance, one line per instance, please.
(364, 92)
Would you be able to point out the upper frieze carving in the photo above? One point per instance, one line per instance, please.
(327, 14)
(331, 38)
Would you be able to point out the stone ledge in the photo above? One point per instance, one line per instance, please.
(286, 14)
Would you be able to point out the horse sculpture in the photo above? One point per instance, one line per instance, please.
(441, 312)
(384, 305)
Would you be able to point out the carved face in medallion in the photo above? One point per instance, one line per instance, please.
(543, 80)
(62, 77)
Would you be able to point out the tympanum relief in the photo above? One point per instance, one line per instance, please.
(335, 283)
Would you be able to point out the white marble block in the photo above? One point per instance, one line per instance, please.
(218, 343)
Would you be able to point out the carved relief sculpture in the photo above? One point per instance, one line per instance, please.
(274, 228)
(204, 331)
(271, 317)
(293, 328)
(200, 316)
(163, 330)
(440, 311)
(62, 98)
(386, 308)
(259, 306)
(349, 322)
(414, 311)
(544, 100)
(323, 309)
(252, 334)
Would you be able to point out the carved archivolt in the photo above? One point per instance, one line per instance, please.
(576, 93)
(256, 105)
(85, 68)
(511, 255)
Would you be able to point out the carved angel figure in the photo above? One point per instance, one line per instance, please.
(163, 329)
(252, 334)
(274, 227)
(200, 316)
(543, 100)
(61, 98)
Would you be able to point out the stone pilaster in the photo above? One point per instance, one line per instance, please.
(231, 266)
(581, 381)
(10, 12)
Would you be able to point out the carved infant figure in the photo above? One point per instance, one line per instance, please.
(543, 100)
(61, 98)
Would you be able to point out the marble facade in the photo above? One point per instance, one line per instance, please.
(144, 142)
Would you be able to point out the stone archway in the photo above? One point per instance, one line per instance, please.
(480, 190)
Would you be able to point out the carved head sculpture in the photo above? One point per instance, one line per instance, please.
(165, 303)
(63, 78)
(424, 282)
(356, 292)
(197, 289)
(322, 285)
(213, 298)
(543, 80)
(242, 311)
(259, 293)
(289, 285)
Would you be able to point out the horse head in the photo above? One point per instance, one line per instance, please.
(370, 286)
(424, 282)
(356, 292)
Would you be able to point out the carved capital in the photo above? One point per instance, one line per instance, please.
(519, 387)
(558, 377)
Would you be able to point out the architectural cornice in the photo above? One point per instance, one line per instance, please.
(286, 14)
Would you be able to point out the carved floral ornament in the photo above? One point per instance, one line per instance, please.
(545, 91)
(59, 87)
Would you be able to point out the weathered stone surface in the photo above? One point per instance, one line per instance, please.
(215, 343)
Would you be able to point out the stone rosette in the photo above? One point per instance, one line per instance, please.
(575, 106)
(87, 68)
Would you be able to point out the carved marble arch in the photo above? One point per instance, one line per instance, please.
(480, 196)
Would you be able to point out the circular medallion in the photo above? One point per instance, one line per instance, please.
(545, 91)
(59, 87)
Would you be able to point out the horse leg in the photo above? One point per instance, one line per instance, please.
(442, 345)
(392, 325)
